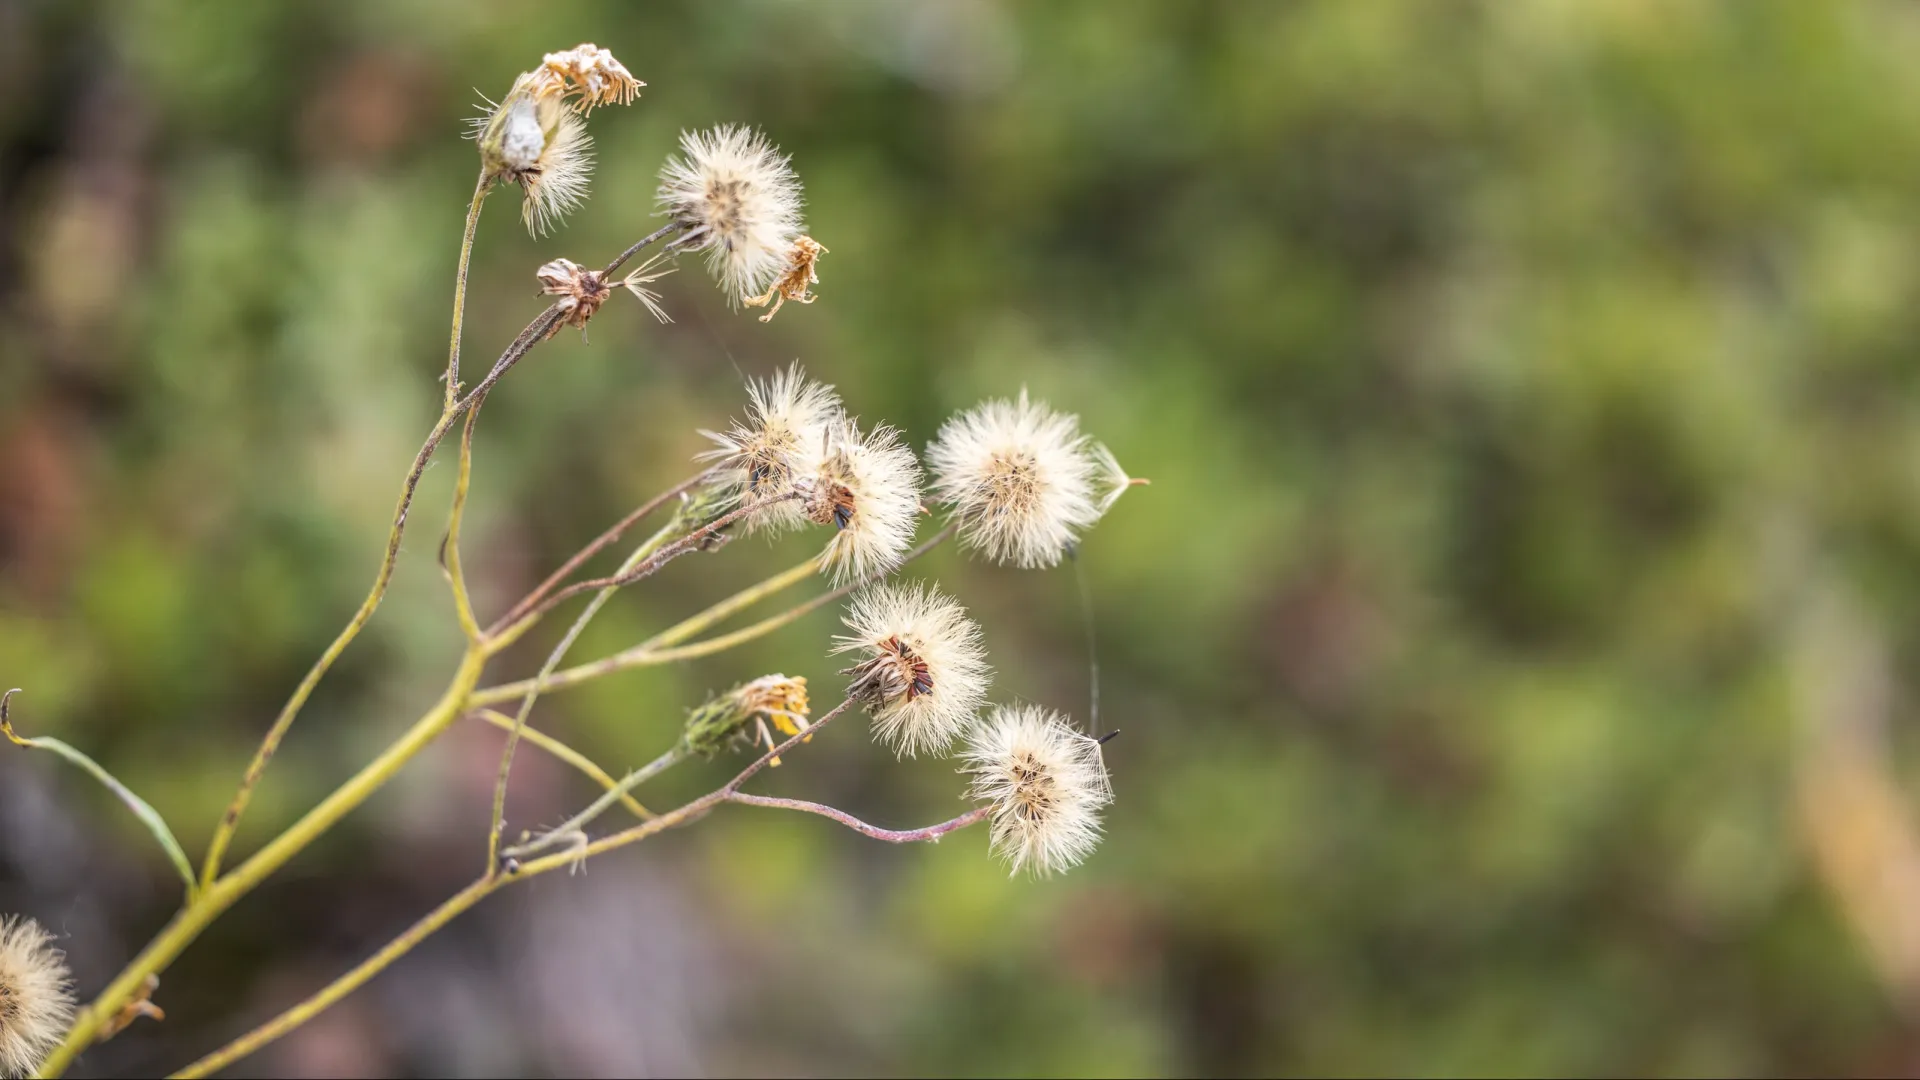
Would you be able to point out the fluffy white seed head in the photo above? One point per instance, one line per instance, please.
(740, 201)
(867, 487)
(36, 996)
(1047, 783)
(790, 419)
(1019, 477)
(532, 139)
(923, 671)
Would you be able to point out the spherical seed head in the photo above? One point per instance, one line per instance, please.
(1047, 784)
(785, 437)
(36, 998)
(740, 201)
(868, 489)
(923, 671)
(1019, 477)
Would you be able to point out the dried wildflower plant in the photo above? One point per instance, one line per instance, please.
(1021, 483)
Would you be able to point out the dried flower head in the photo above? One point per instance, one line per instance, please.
(924, 671)
(1047, 783)
(581, 291)
(640, 277)
(739, 200)
(724, 718)
(535, 141)
(785, 437)
(867, 488)
(792, 285)
(36, 998)
(1019, 478)
(586, 74)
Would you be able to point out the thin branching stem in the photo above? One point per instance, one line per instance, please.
(624, 789)
(567, 754)
(693, 541)
(660, 233)
(657, 649)
(734, 604)
(485, 886)
(891, 836)
(450, 547)
(230, 820)
(559, 653)
(599, 544)
(452, 377)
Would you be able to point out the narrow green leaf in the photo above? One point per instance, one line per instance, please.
(141, 809)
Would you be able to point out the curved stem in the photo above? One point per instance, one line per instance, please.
(891, 836)
(230, 820)
(599, 544)
(650, 652)
(452, 377)
(559, 653)
(565, 753)
(450, 547)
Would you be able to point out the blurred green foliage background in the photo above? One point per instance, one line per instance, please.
(1512, 650)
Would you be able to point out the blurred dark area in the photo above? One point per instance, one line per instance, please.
(1513, 650)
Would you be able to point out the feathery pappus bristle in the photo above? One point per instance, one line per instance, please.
(1019, 478)
(36, 996)
(640, 277)
(739, 200)
(868, 488)
(790, 419)
(924, 670)
(1111, 478)
(1046, 782)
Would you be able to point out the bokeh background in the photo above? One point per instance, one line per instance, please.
(1513, 651)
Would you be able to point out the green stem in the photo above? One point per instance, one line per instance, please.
(473, 894)
(651, 653)
(220, 895)
(450, 548)
(566, 754)
(480, 189)
(579, 821)
(640, 555)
